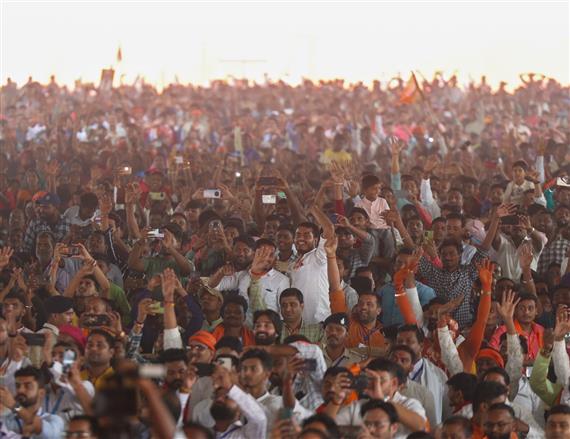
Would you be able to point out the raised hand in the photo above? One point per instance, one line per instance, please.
(562, 326)
(105, 204)
(506, 308)
(431, 163)
(396, 145)
(262, 260)
(525, 255)
(143, 309)
(353, 188)
(486, 269)
(506, 209)
(168, 278)
(5, 255)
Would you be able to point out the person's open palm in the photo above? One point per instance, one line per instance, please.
(506, 308)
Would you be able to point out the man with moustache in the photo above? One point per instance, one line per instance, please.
(267, 327)
(336, 337)
(500, 422)
(175, 363)
(231, 402)
(27, 417)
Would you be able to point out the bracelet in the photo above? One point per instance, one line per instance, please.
(256, 274)
(169, 303)
(139, 323)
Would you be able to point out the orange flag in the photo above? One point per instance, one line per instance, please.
(411, 92)
(119, 55)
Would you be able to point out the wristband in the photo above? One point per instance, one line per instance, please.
(169, 303)
(139, 323)
(256, 273)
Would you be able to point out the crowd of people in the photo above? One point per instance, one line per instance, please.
(320, 261)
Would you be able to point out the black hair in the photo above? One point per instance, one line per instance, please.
(405, 251)
(560, 409)
(313, 432)
(386, 407)
(235, 299)
(389, 366)
(487, 391)
(420, 435)
(369, 180)
(206, 216)
(465, 383)
(89, 200)
(527, 296)
(413, 328)
(91, 420)
(329, 423)
(205, 431)
(108, 337)
(456, 216)
(362, 285)
(273, 316)
(247, 240)
(261, 354)
(463, 422)
(449, 242)
(292, 292)
(308, 225)
(521, 164)
(405, 348)
(503, 406)
(359, 210)
(34, 372)
(229, 342)
(264, 241)
(288, 227)
(335, 370)
(499, 371)
(439, 219)
(172, 355)
(363, 269)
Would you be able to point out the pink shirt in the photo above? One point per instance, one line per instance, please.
(374, 209)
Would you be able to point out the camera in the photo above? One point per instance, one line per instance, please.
(212, 193)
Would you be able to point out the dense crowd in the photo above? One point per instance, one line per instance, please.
(322, 261)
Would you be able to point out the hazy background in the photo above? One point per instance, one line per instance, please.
(357, 41)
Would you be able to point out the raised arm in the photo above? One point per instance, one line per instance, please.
(324, 222)
(168, 244)
(172, 337)
(136, 261)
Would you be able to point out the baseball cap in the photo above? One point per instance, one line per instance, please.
(48, 198)
(338, 318)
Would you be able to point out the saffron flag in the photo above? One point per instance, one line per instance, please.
(411, 92)
(119, 55)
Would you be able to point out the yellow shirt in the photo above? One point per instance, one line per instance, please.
(97, 382)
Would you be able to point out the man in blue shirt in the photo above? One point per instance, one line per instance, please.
(390, 311)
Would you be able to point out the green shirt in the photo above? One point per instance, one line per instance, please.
(120, 302)
(540, 384)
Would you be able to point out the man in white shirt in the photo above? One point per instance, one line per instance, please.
(309, 271)
(272, 281)
(175, 363)
(230, 401)
(83, 214)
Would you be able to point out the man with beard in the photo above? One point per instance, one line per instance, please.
(249, 267)
(98, 355)
(309, 271)
(27, 416)
(336, 336)
(365, 329)
(255, 369)
(500, 422)
(234, 311)
(49, 220)
(174, 361)
(230, 401)
(267, 327)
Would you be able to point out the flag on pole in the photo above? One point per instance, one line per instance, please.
(119, 55)
(411, 92)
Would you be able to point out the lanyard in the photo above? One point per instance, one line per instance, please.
(56, 405)
(419, 372)
(227, 433)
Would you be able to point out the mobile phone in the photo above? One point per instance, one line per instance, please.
(281, 195)
(179, 160)
(94, 320)
(267, 181)
(428, 235)
(309, 365)
(125, 170)
(215, 224)
(34, 339)
(285, 413)
(359, 383)
(152, 371)
(156, 308)
(155, 234)
(69, 357)
(225, 362)
(238, 177)
(204, 369)
(268, 199)
(157, 196)
(510, 220)
(212, 193)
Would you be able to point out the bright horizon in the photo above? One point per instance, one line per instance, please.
(198, 42)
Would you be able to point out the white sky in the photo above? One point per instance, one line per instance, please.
(356, 41)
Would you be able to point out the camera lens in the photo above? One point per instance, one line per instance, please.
(217, 193)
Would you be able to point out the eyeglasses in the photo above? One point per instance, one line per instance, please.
(77, 434)
(376, 425)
